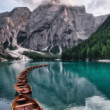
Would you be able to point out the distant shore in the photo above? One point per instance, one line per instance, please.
(105, 61)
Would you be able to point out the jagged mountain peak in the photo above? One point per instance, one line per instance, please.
(49, 28)
(54, 28)
(20, 11)
(11, 23)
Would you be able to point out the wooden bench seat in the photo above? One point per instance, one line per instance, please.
(28, 104)
(21, 99)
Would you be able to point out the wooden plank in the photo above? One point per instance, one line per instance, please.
(24, 105)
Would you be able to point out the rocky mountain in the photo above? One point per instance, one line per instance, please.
(51, 27)
(10, 25)
(96, 47)
(54, 28)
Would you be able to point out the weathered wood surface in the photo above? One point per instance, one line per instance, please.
(23, 101)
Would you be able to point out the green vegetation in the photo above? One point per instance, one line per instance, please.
(55, 50)
(36, 56)
(96, 47)
(8, 57)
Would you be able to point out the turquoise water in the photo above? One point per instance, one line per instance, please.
(61, 85)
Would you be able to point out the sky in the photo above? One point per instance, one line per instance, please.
(96, 7)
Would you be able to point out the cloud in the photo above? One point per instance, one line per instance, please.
(32, 4)
(97, 7)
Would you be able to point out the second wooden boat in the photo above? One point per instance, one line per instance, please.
(23, 88)
(22, 80)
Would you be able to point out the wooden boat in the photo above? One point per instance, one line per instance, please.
(24, 91)
(23, 73)
(22, 80)
(41, 65)
(23, 102)
(26, 70)
(33, 67)
(45, 64)
(29, 69)
(37, 66)
(22, 77)
(22, 85)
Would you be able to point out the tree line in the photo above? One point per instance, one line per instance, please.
(95, 47)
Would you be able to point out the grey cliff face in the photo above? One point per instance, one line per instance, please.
(10, 25)
(54, 28)
(50, 28)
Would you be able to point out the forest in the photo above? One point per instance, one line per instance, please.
(97, 46)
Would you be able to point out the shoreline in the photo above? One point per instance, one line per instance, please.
(104, 61)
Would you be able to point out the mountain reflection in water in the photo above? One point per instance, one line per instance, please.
(61, 85)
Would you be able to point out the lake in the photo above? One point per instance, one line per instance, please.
(61, 85)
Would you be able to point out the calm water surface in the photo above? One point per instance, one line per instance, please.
(61, 85)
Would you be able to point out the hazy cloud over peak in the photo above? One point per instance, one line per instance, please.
(97, 7)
